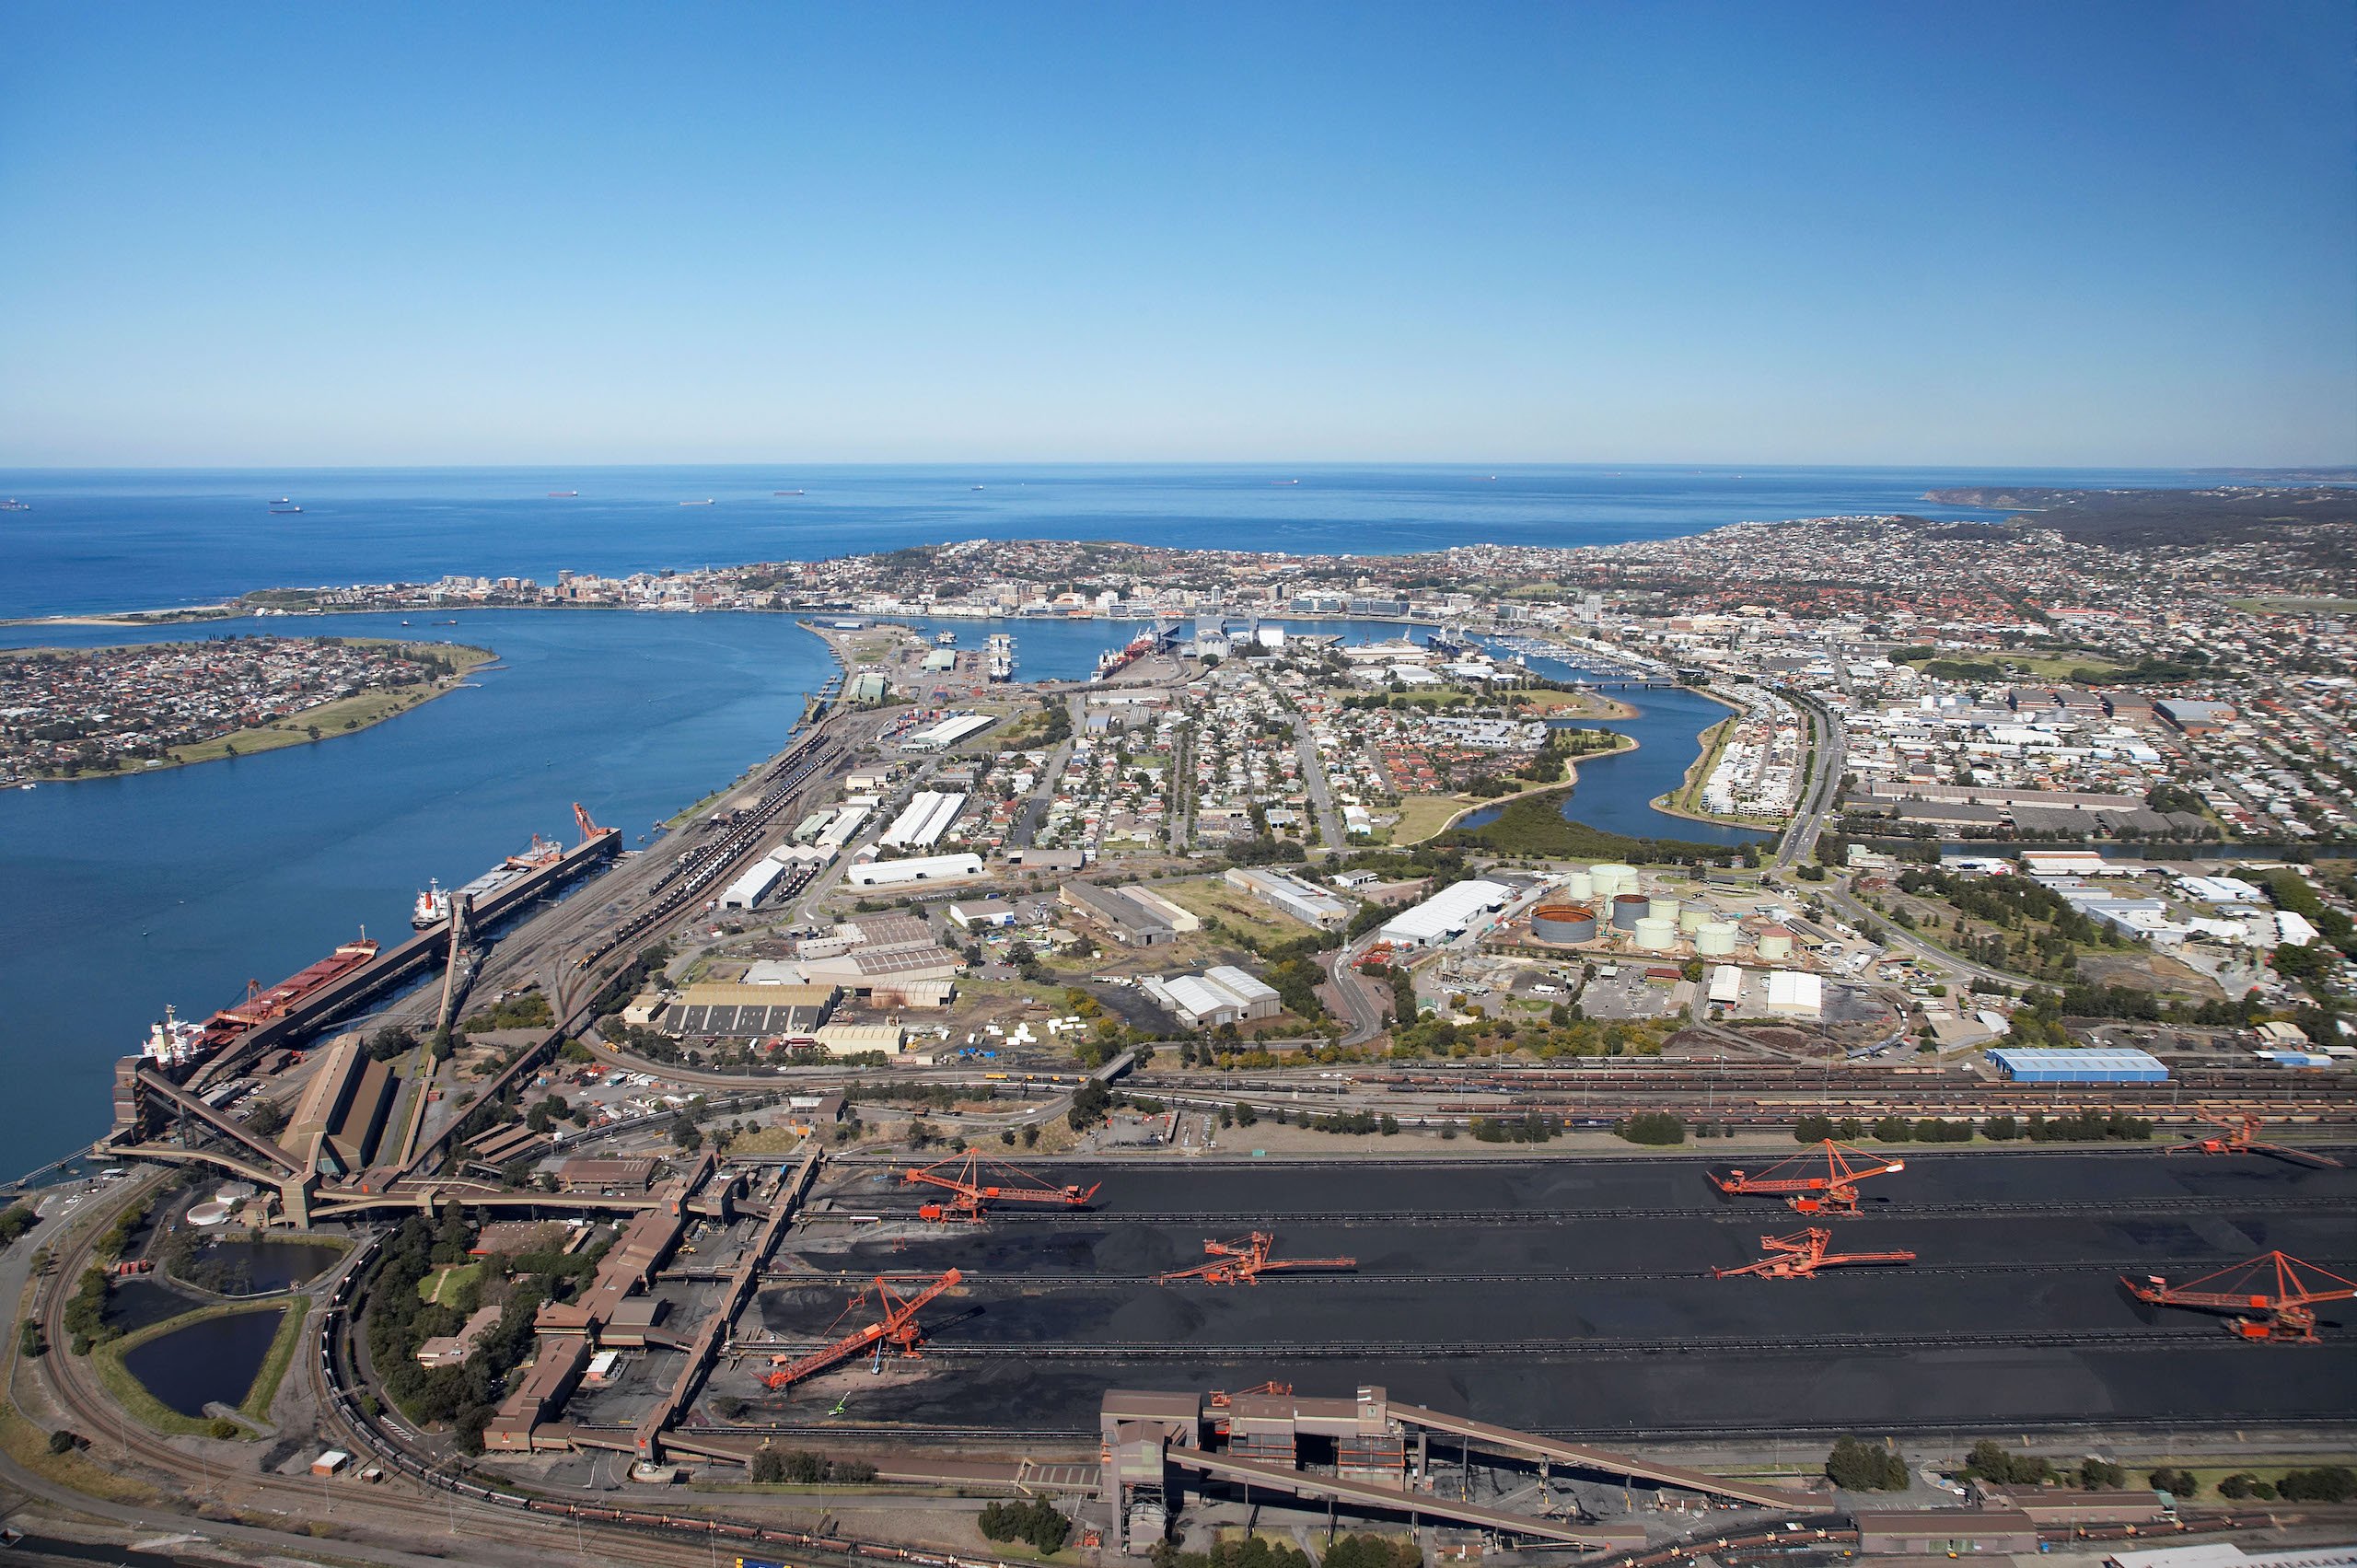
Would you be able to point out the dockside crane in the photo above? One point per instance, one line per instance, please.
(1245, 1260)
(898, 1329)
(975, 1185)
(2271, 1297)
(1800, 1255)
(2239, 1136)
(1822, 1179)
(589, 830)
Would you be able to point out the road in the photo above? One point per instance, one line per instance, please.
(1831, 745)
(1362, 1000)
(1322, 794)
(1034, 811)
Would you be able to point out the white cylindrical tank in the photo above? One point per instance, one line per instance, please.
(1691, 918)
(1614, 879)
(1775, 943)
(1579, 886)
(1715, 938)
(1663, 908)
(1656, 934)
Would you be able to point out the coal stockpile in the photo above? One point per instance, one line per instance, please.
(1576, 1296)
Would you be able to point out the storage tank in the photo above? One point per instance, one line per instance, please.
(1775, 943)
(1614, 878)
(1663, 908)
(1627, 910)
(1563, 923)
(1579, 886)
(1691, 918)
(1715, 938)
(1655, 934)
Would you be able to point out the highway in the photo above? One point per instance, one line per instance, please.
(1830, 742)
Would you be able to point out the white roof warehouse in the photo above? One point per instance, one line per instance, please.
(1448, 913)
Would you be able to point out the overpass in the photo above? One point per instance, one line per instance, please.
(1417, 1505)
(1501, 1439)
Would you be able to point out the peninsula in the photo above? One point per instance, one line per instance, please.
(100, 712)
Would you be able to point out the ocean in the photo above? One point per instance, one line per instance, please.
(126, 540)
(128, 894)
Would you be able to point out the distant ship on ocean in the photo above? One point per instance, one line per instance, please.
(13, 504)
(706, 502)
(562, 495)
(283, 507)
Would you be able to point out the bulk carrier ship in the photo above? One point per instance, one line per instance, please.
(436, 902)
(173, 1044)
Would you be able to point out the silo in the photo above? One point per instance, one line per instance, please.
(1614, 879)
(1775, 944)
(1691, 918)
(1663, 908)
(1627, 910)
(1579, 886)
(1656, 935)
(1715, 939)
(1563, 923)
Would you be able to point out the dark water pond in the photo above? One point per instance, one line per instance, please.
(213, 1361)
(256, 1267)
(135, 1303)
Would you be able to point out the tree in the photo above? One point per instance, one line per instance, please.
(2176, 1483)
(1864, 1466)
(2100, 1475)
(1089, 1103)
(63, 1442)
(1653, 1127)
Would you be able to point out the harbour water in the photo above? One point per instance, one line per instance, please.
(126, 894)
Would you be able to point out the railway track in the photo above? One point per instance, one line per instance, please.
(1789, 1345)
(1239, 1219)
(797, 1279)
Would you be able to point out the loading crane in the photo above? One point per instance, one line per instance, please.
(1245, 1260)
(898, 1329)
(1800, 1255)
(2239, 1136)
(975, 1184)
(589, 830)
(2278, 1292)
(1798, 1181)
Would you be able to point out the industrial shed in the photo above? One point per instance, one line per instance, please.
(2025, 1064)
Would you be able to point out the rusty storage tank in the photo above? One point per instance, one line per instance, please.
(1627, 910)
(1563, 923)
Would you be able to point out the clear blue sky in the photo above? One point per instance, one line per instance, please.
(416, 233)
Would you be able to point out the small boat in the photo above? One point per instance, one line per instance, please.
(405, 623)
(562, 495)
(786, 492)
(1284, 482)
(981, 487)
(13, 504)
(705, 501)
(285, 511)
